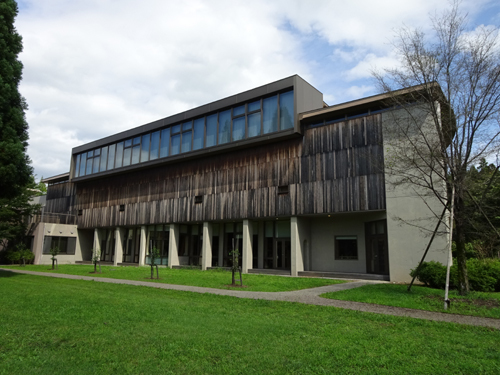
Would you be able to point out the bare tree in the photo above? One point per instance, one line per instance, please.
(454, 74)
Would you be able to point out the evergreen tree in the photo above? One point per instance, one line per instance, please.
(15, 168)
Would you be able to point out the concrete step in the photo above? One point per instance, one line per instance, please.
(344, 275)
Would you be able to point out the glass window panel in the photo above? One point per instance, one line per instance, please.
(111, 156)
(270, 119)
(155, 145)
(82, 164)
(126, 156)
(255, 106)
(238, 110)
(186, 141)
(224, 127)
(211, 138)
(136, 152)
(286, 110)
(254, 124)
(104, 158)
(187, 126)
(176, 129)
(119, 155)
(77, 165)
(238, 128)
(137, 140)
(97, 161)
(145, 147)
(198, 129)
(269, 229)
(176, 144)
(283, 229)
(89, 166)
(90, 154)
(165, 141)
(97, 152)
(128, 143)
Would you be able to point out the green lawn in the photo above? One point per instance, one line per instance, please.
(423, 298)
(59, 326)
(211, 278)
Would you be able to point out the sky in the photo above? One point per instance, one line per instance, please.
(93, 68)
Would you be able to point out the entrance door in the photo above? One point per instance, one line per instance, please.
(377, 257)
(283, 254)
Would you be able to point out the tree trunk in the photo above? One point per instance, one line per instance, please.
(463, 279)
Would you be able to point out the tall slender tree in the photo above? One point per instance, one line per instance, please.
(15, 169)
(461, 111)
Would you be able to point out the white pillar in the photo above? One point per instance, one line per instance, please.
(173, 246)
(206, 251)
(119, 236)
(297, 263)
(143, 242)
(247, 254)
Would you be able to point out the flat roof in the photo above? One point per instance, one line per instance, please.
(58, 178)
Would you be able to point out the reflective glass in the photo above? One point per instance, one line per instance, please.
(97, 152)
(82, 164)
(186, 141)
(155, 145)
(119, 155)
(90, 154)
(104, 158)
(137, 140)
(165, 141)
(286, 110)
(270, 116)
(254, 124)
(176, 144)
(211, 138)
(145, 147)
(97, 161)
(254, 106)
(126, 156)
(198, 128)
(224, 127)
(238, 110)
(176, 129)
(77, 165)
(111, 156)
(187, 126)
(128, 143)
(89, 166)
(238, 128)
(136, 152)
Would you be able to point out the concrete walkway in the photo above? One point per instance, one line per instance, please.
(307, 296)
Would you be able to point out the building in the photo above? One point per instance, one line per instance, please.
(298, 187)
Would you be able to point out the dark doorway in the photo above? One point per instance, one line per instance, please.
(377, 256)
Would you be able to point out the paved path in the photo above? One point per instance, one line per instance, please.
(308, 296)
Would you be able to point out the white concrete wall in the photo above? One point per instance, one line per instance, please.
(55, 230)
(412, 210)
(322, 241)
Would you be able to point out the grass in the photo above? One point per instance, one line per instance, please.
(59, 326)
(423, 298)
(211, 278)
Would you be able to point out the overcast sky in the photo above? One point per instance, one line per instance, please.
(93, 68)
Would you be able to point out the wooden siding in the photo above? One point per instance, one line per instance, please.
(60, 198)
(332, 168)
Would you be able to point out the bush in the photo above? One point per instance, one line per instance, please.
(484, 274)
(432, 274)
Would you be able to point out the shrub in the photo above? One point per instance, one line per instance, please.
(432, 274)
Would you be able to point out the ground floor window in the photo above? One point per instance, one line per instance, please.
(346, 248)
(65, 245)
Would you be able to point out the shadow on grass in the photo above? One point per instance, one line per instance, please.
(5, 273)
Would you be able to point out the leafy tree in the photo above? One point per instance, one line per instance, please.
(15, 168)
(461, 113)
(54, 251)
(154, 254)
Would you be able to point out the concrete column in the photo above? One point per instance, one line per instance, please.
(143, 243)
(260, 254)
(119, 236)
(247, 255)
(221, 245)
(297, 263)
(206, 251)
(173, 246)
(97, 240)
